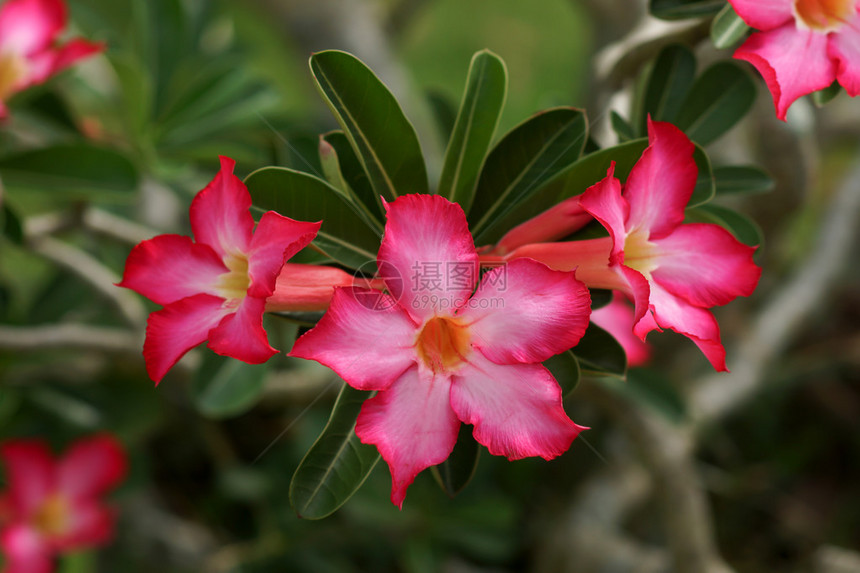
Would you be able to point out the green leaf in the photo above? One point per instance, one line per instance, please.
(444, 113)
(343, 236)
(333, 174)
(10, 224)
(825, 96)
(593, 167)
(565, 369)
(742, 227)
(651, 390)
(79, 170)
(599, 353)
(382, 137)
(622, 129)
(728, 28)
(353, 173)
(741, 179)
(483, 100)
(337, 464)
(520, 165)
(668, 81)
(683, 9)
(721, 96)
(225, 387)
(705, 185)
(457, 471)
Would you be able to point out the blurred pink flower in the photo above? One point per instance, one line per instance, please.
(672, 271)
(803, 46)
(29, 54)
(54, 506)
(216, 288)
(439, 355)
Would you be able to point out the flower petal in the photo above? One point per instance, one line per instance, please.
(29, 468)
(176, 329)
(526, 312)
(275, 240)
(695, 323)
(792, 61)
(366, 337)
(843, 46)
(91, 467)
(662, 181)
(90, 525)
(412, 424)
(168, 268)
(25, 550)
(617, 319)
(427, 257)
(555, 223)
(705, 265)
(515, 408)
(302, 287)
(29, 26)
(219, 213)
(640, 291)
(604, 202)
(241, 335)
(55, 60)
(764, 14)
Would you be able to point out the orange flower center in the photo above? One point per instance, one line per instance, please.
(13, 69)
(52, 518)
(233, 285)
(823, 15)
(443, 343)
(639, 253)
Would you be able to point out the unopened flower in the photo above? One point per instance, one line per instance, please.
(214, 287)
(439, 354)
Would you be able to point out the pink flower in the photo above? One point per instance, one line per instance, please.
(672, 271)
(803, 47)
(53, 506)
(557, 222)
(216, 288)
(28, 52)
(439, 355)
(616, 318)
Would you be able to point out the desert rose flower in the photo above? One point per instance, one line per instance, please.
(439, 355)
(617, 318)
(54, 506)
(803, 46)
(672, 271)
(214, 287)
(29, 53)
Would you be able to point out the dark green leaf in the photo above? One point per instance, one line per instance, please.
(333, 174)
(651, 390)
(622, 129)
(483, 99)
(667, 84)
(737, 179)
(79, 170)
(728, 28)
(444, 112)
(721, 96)
(457, 471)
(593, 167)
(343, 236)
(353, 173)
(337, 464)
(520, 165)
(705, 185)
(600, 298)
(682, 9)
(742, 227)
(10, 224)
(382, 137)
(825, 96)
(565, 369)
(599, 353)
(225, 387)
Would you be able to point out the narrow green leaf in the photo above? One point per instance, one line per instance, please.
(599, 353)
(521, 163)
(825, 96)
(593, 167)
(337, 464)
(683, 9)
(225, 387)
(742, 227)
(728, 28)
(622, 129)
(705, 185)
(565, 369)
(444, 112)
(742, 179)
(353, 173)
(79, 170)
(668, 82)
(10, 224)
(480, 110)
(457, 471)
(721, 96)
(331, 169)
(382, 137)
(343, 236)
